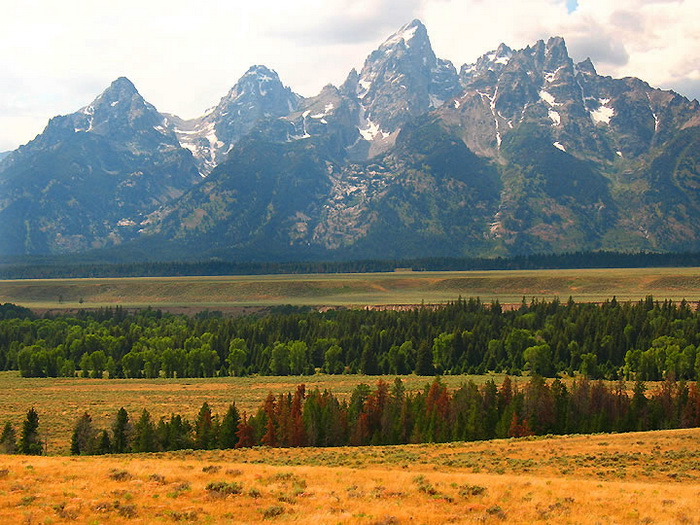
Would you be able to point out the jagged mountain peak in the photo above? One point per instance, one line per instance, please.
(121, 83)
(409, 35)
(400, 80)
(556, 53)
(261, 71)
(258, 94)
(120, 90)
(586, 67)
(258, 82)
(119, 111)
(349, 86)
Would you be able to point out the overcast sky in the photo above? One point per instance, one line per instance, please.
(183, 56)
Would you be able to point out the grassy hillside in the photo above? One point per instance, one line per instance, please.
(628, 478)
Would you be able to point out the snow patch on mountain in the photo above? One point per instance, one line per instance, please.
(405, 34)
(548, 98)
(371, 131)
(603, 114)
(555, 117)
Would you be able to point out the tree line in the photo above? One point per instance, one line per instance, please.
(68, 266)
(645, 340)
(388, 415)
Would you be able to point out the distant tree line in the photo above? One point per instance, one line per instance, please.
(647, 340)
(389, 415)
(62, 268)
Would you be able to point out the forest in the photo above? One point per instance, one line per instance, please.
(70, 267)
(644, 340)
(388, 415)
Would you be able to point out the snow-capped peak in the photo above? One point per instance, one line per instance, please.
(407, 34)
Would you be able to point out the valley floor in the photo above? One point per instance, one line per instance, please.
(651, 477)
(239, 295)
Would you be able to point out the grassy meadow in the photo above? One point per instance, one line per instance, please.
(60, 401)
(651, 477)
(353, 289)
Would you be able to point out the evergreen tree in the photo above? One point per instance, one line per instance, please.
(29, 441)
(145, 434)
(229, 427)
(83, 439)
(204, 431)
(424, 360)
(270, 437)
(179, 433)
(245, 433)
(368, 360)
(104, 445)
(8, 440)
(121, 432)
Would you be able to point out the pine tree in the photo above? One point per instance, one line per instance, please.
(229, 426)
(424, 361)
(8, 440)
(145, 434)
(270, 437)
(179, 433)
(103, 444)
(121, 432)
(29, 441)
(245, 433)
(368, 360)
(298, 437)
(83, 439)
(204, 432)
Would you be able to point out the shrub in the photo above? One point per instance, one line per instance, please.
(272, 511)
(222, 488)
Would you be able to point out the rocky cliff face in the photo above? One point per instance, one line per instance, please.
(523, 151)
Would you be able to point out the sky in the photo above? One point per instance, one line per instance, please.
(183, 56)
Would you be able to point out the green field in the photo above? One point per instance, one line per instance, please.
(354, 289)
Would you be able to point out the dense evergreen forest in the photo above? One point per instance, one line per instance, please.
(645, 340)
(69, 268)
(389, 415)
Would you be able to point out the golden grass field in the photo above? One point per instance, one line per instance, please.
(651, 477)
(354, 289)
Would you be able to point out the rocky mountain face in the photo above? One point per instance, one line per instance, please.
(258, 95)
(92, 177)
(523, 151)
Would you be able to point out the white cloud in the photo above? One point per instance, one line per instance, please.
(655, 40)
(57, 56)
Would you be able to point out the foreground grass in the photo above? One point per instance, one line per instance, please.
(193, 293)
(651, 477)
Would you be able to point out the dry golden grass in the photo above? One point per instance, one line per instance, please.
(651, 477)
(354, 289)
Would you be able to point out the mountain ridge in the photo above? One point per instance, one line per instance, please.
(523, 151)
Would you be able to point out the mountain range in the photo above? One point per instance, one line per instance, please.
(523, 151)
